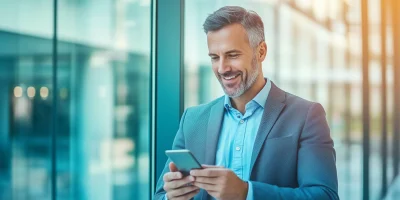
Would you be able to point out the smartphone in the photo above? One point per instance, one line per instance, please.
(184, 160)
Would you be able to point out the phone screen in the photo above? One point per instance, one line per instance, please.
(184, 160)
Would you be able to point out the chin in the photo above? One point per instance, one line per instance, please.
(233, 93)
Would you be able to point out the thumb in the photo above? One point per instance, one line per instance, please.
(172, 167)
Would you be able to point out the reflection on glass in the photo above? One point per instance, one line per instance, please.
(25, 67)
(105, 75)
(102, 99)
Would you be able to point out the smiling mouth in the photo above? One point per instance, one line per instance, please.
(230, 77)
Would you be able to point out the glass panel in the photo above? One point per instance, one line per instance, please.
(376, 130)
(104, 76)
(102, 99)
(375, 78)
(26, 103)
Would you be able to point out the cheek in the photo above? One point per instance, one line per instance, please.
(215, 69)
(239, 65)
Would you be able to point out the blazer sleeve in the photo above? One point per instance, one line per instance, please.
(316, 169)
(179, 143)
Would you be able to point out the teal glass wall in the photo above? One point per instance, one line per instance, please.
(102, 99)
(26, 90)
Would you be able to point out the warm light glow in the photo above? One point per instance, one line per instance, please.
(18, 91)
(44, 92)
(304, 4)
(320, 9)
(31, 92)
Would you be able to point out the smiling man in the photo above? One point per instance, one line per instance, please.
(257, 141)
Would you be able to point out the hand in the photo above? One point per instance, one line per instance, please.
(177, 186)
(221, 183)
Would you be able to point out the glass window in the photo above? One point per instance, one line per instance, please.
(102, 99)
(26, 102)
(104, 76)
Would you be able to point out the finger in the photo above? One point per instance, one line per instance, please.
(179, 183)
(205, 186)
(208, 172)
(172, 167)
(170, 176)
(181, 191)
(207, 180)
(211, 166)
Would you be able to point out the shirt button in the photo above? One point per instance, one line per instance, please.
(242, 121)
(237, 148)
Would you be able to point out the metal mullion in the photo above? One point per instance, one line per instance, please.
(169, 77)
(383, 99)
(366, 102)
(396, 73)
(53, 140)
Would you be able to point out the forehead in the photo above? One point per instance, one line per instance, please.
(230, 37)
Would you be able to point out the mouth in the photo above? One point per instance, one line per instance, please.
(229, 80)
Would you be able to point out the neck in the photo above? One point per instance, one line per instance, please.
(240, 102)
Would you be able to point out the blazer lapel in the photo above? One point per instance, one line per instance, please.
(272, 109)
(213, 130)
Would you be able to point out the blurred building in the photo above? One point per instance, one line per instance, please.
(80, 85)
(91, 103)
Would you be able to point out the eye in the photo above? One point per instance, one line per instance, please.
(214, 58)
(233, 55)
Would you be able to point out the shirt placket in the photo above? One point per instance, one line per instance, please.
(246, 151)
(238, 146)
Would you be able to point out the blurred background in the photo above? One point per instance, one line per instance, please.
(91, 91)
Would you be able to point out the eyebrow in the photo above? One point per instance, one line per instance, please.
(228, 52)
(233, 51)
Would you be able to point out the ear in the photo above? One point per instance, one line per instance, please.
(262, 51)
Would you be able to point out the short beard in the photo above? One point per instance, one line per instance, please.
(244, 86)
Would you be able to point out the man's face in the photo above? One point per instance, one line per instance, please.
(233, 61)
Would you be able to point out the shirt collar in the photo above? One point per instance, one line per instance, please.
(260, 98)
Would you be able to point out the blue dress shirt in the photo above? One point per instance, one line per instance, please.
(238, 133)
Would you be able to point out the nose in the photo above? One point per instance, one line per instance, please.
(223, 66)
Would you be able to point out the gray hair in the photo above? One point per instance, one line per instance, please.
(227, 15)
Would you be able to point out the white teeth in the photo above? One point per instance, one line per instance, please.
(229, 78)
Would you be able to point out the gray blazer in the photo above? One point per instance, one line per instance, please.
(293, 155)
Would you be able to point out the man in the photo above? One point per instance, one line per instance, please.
(258, 141)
